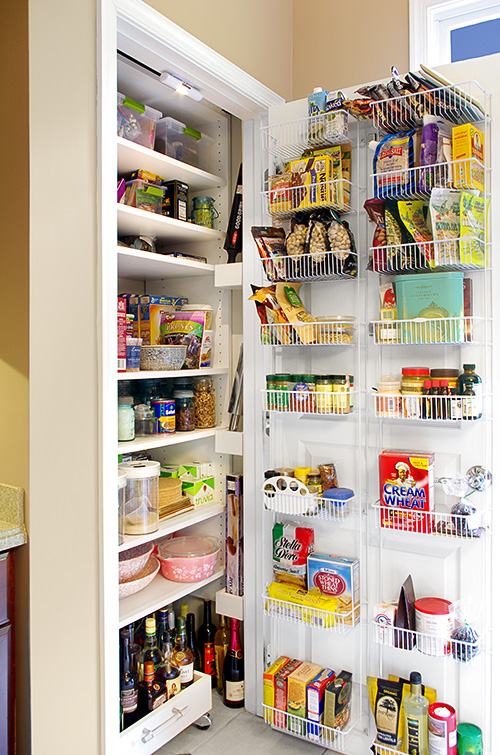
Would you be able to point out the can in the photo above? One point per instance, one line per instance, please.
(164, 409)
(442, 729)
(434, 624)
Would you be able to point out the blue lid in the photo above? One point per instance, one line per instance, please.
(338, 494)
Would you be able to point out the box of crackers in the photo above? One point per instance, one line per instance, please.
(338, 577)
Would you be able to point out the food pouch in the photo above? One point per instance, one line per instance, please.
(393, 226)
(473, 219)
(412, 216)
(427, 692)
(444, 208)
(280, 196)
(270, 243)
(270, 313)
(295, 312)
(393, 159)
(434, 130)
(291, 547)
(386, 699)
(184, 329)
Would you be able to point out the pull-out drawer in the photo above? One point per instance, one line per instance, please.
(162, 725)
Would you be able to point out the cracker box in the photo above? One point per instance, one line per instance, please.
(234, 534)
(336, 576)
(316, 702)
(468, 149)
(199, 492)
(150, 315)
(338, 701)
(122, 334)
(280, 692)
(297, 696)
(406, 490)
(268, 681)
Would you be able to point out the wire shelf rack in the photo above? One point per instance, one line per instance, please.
(458, 104)
(319, 403)
(461, 651)
(428, 408)
(417, 183)
(333, 195)
(289, 140)
(312, 267)
(437, 523)
(297, 613)
(428, 331)
(287, 495)
(331, 739)
(444, 255)
(318, 333)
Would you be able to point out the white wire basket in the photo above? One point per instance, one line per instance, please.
(320, 404)
(431, 256)
(330, 739)
(286, 495)
(296, 613)
(417, 183)
(427, 331)
(459, 104)
(318, 333)
(333, 195)
(428, 408)
(289, 140)
(435, 646)
(437, 523)
(312, 267)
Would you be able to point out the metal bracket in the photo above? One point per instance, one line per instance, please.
(267, 424)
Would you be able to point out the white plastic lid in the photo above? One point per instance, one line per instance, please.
(317, 90)
(172, 124)
(183, 394)
(137, 470)
(197, 307)
(388, 381)
(188, 547)
(125, 401)
(122, 478)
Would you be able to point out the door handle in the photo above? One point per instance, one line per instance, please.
(148, 734)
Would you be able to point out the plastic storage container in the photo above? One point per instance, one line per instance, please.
(136, 122)
(177, 140)
(126, 418)
(139, 514)
(144, 195)
(122, 484)
(188, 559)
(204, 403)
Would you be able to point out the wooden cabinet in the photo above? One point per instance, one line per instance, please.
(7, 653)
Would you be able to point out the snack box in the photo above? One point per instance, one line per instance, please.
(146, 175)
(338, 701)
(234, 535)
(268, 682)
(468, 145)
(436, 296)
(143, 196)
(297, 696)
(199, 491)
(406, 490)
(316, 702)
(169, 470)
(136, 122)
(175, 201)
(336, 576)
(317, 173)
(150, 316)
(280, 692)
(316, 103)
(122, 334)
(196, 470)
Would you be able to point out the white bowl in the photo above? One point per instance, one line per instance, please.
(142, 579)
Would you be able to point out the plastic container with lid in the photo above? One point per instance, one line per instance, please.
(188, 559)
(412, 386)
(206, 308)
(441, 373)
(175, 139)
(126, 418)
(469, 740)
(434, 623)
(122, 484)
(139, 515)
(184, 411)
(204, 402)
(204, 212)
(144, 195)
(388, 401)
(136, 122)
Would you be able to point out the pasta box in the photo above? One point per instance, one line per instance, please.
(269, 677)
(338, 701)
(336, 576)
(406, 490)
(434, 297)
(316, 702)
(297, 696)
(280, 692)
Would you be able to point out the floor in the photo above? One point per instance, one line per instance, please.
(237, 732)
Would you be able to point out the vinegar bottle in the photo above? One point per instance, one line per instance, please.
(415, 707)
(233, 671)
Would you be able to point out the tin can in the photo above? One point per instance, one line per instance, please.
(434, 624)
(164, 409)
(442, 729)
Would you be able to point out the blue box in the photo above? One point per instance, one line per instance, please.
(316, 702)
(434, 297)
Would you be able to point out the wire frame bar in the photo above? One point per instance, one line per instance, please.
(430, 256)
(437, 646)
(312, 267)
(428, 408)
(319, 333)
(438, 523)
(426, 331)
(417, 183)
(330, 739)
(316, 403)
(283, 203)
(289, 140)
(297, 613)
(309, 506)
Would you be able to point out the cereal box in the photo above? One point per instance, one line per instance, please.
(336, 576)
(338, 701)
(234, 534)
(316, 702)
(268, 680)
(280, 692)
(406, 490)
(468, 148)
(122, 340)
(297, 696)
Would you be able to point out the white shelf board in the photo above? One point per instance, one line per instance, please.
(229, 275)
(134, 222)
(153, 374)
(227, 442)
(134, 157)
(144, 442)
(160, 592)
(174, 524)
(228, 605)
(138, 265)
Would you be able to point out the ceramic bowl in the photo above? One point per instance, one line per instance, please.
(163, 357)
(133, 561)
(142, 579)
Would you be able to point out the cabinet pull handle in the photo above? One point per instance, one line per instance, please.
(148, 734)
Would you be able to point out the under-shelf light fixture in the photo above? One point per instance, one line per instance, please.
(180, 86)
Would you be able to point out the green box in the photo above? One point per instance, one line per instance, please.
(431, 297)
(199, 491)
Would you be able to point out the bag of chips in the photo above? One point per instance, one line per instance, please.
(444, 209)
(394, 156)
(473, 218)
(291, 547)
(412, 215)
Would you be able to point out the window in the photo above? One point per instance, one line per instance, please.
(444, 31)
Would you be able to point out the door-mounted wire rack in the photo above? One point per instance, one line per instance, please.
(444, 255)
(317, 403)
(321, 266)
(284, 202)
(426, 331)
(438, 523)
(319, 734)
(435, 646)
(299, 613)
(433, 408)
(417, 183)
(320, 332)
(289, 140)
(287, 495)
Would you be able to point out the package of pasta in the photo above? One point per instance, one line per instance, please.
(291, 547)
(473, 227)
(412, 216)
(317, 609)
(394, 156)
(444, 209)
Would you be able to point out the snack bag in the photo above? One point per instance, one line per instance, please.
(184, 329)
(270, 313)
(473, 219)
(434, 130)
(291, 547)
(375, 209)
(280, 195)
(295, 312)
(394, 157)
(270, 243)
(412, 215)
(444, 208)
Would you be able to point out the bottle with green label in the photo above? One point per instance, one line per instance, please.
(470, 386)
(415, 707)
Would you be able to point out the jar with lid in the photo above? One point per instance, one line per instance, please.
(122, 484)
(324, 394)
(388, 400)
(341, 394)
(145, 420)
(204, 212)
(314, 483)
(281, 393)
(184, 411)
(302, 473)
(140, 512)
(412, 390)
(204, 402)
(441, 373)
(270, 391)
(126, 418)
(471, 388)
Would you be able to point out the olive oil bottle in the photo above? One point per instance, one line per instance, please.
(415, 707)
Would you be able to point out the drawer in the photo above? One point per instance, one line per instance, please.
(162, 725)
(6, 586)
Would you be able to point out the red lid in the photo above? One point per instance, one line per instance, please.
(444, 383)
(434, 606)
(424, 371)
(427, 383)
(436, 383)
(442, 712)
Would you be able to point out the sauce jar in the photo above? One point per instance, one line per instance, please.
(388, 400)
(324, 394)
(281, 387)
(126, 418)
(184, 411)
(204, 402)
(140, 512)
(302, 473)
(341, 390)
(412, 385)
(442, 373)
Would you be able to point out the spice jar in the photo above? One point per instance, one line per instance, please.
(388, 401)
(324, 394)
(412, 386)
(139, 514)
(341, 391)
(126, 418)
(184, 411)
(314, 483)
(282, 391)
(204, 402)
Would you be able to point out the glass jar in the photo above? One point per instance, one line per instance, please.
(282, 398)
(204, 212)
(442, 373)
(122, 484)
(184, 411)
(324, 394)
(412, 387)
(126, 418)
(302, 473)
(204, 402)
(270, 391)
(341, 391)
(145, 420)
(314, 484)
(140, 512)
(388, 400)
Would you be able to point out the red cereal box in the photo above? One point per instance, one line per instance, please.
(406, 490)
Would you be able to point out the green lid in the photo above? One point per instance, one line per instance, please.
(323, 379)
(469, 734)
(297, 378)
(270, 378)
(283, 376)
(309, 378)
(470, 367)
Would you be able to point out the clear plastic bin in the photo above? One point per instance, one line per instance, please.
(144, 195)
(177, 140)
(136, 122)
(140, 512)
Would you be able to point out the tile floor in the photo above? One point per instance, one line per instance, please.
(237, 732)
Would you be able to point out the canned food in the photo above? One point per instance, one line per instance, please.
(434, 624)
(164, 409)
(442, 729)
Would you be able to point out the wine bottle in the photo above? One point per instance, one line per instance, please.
(183, 656)
(191, 641)
(233, 671)
(166, 671)
(171, 624)
(152, 693)
(221, 643)
(150, 651)
(206, 637)
(133, 647)
(162, 625)
(184, 610)
(129, 682)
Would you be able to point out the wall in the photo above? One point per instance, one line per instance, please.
(340, 44)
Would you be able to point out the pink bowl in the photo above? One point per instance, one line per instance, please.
(186, 565)
(133, 561)
(142, 580)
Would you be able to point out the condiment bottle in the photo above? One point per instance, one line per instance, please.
(445, 403)
(412, 385)
(281, 394)
(471, 387)
(469, 740)
(324, 394)
(302, 473)
(435, 405)
(270, 391)
(427, 401)
(415, 708)
(126, 418)
(314, 483)
(388, 401)
(340, 396)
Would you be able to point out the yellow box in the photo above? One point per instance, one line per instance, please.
(297, 695)
(268, 679)
(468, 146)
(317, 174)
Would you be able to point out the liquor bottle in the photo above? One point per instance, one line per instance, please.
(471, 387)
(150, 651)
(206, 637)
(162, 625)
(152, 693)
(166, 671)
(191, 641)
(171, 624)
(129, 682)
(184, 610)
(221, 643)
(133, 647)
(233, 671)
(415, 707)
(183, 656)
